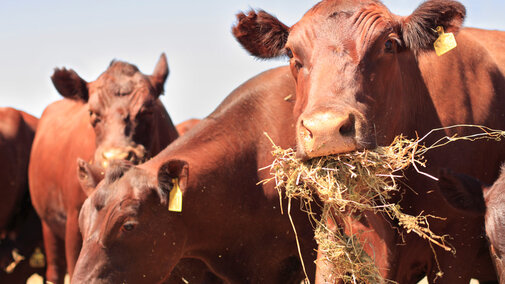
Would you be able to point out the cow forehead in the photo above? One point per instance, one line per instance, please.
(341, 20)
(120, 79)
(131, 185)
(129, 95)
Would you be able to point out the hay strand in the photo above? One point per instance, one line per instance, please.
(362, 181)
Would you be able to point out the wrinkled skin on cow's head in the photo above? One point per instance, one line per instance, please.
(347, 59)
(122, 103)
(118, 228)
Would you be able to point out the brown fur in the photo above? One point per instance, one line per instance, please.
(228, 219)
(472, 197)
(19, 224)
(418, 30)
(70, 85)
(261, 34)
(359, 84)
(122, 113)
(185, 126)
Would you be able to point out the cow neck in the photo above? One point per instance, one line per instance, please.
(413, 110)
(163, 128)
(224, 152)
(232, 134)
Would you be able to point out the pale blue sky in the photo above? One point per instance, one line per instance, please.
(205, 61)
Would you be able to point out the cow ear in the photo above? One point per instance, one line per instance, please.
(170, 172)
(89, 176)
(462, 192)
(419, 29)
(160, 74)
(261, 34)
(70, 85)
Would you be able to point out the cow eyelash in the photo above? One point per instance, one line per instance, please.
(392, 43)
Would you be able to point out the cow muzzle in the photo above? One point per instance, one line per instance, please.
(136, 155)
(326, 133)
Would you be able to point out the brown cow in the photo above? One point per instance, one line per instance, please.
(228, 220)
(470, 196)
(117, 116)
(20, 228)
(185, 126)
(365, 75)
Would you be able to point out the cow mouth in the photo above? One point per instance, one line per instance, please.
(135, 155)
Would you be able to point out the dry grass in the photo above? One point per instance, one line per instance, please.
(352, 183)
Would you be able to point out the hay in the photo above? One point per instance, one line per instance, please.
(362, 181)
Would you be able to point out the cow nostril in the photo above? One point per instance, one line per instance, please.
(348, 128)
(305, 132)
(131, 156)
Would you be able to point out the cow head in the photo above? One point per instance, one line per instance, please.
(126, 226)
(347, 57)
(471, 197)
(122, 103)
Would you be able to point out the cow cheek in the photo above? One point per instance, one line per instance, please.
(301, 96)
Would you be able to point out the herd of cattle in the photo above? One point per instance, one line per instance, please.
(91, 181)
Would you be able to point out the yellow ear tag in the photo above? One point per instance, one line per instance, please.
(445, 42)
(175, 201)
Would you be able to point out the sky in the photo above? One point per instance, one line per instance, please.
(205, 61)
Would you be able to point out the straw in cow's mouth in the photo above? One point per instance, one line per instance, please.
(362, 181)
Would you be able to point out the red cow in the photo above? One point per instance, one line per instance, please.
(470, 196)
(20, 228)
(228, 220)
(364, 76)
(185, 126)
(117, 116)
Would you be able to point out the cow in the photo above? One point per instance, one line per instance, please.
(117, 116)
(186, 125)
(472, 197)
(20, 228)
(363, 76)
(229, 219)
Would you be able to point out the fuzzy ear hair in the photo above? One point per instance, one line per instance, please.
(70, 85)
(89, 176)
(116, 170)
(462, 192)
(160, 74)
(419, 28)
(260, 33)
(170, 170)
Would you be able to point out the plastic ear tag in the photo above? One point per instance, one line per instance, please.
(445, 42)
(175, 201)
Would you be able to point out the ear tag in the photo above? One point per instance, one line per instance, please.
(445, 42)
(175, 201)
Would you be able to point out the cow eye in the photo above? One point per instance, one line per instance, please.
(289, 53)
(389, 45)
(128, 226)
